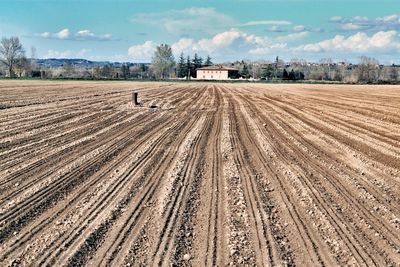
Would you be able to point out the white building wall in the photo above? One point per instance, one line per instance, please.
(212, 74)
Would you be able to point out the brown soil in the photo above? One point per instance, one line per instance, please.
(199, 174)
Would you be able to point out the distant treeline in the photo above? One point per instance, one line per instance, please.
(14, 63)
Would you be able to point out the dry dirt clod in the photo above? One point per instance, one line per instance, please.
(186, 257)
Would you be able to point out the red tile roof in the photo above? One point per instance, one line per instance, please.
(216, 67)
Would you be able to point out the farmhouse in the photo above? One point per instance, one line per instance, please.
(217, 72)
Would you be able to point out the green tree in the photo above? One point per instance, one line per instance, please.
(189, 68)
(285, 75)
(268, 71)
(182, 67)
(125, 72)
(197, 63)
(245, 71)
(163, 60)
(208, 61)
(279, 66)
(143, 67)
(292, 75)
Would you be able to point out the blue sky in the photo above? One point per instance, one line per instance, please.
(123, 30)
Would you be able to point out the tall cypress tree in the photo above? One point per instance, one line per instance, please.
(245, 71)
(208, 61)
(285, 75)
(268, 71)
(188, 69)
(292, 75)
(200, 62)
(197, 61)
(125, 71)
(182, 68)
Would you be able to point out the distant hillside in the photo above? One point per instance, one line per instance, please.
(84, 63)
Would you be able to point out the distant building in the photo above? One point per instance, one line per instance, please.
(217, 72)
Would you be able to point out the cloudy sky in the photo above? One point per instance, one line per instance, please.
(129, 30)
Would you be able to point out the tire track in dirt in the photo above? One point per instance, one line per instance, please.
(289, 142)
(210, 244)
(216, 175)
(155, 123)
(166, 122)
(110, 253)
(364, 214)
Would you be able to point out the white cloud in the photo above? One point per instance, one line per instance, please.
(222, 39)
(220, 42)
(84, 33)
(83, 52)
(260, 51)
(58, 54)
(88, 35)
(316, 30)
(299, 28)
(269, 49)
(81, 35)
(390, 19)
(45, 34)
(336, 19)
(202, 21)
(63, 34)
(185, 21)
(266, 22)
(184, 44)
(233, 41)
(236, 43)
(360, 19)
(67, 53)
(386, 23)
(302, 28)
(358, 43)
(351, 26)
(142, 52)
(275, 28)
(291, 37)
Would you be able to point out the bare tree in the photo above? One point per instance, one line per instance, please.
(68, 70)
(339, 73)
(33, 58)
(11, 51)
(21, 67)
(326, 64)
(368, 69)
(107, 71)
(394, 74)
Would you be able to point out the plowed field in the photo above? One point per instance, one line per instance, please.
(212, 175)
